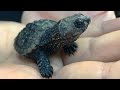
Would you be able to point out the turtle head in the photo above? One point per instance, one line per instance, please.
(73, 26)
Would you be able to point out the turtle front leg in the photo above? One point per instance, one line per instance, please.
(46, 70)
(71, 48)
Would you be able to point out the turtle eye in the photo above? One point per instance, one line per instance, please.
(79, 23)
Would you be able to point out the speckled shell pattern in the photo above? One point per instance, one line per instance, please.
(29, 38)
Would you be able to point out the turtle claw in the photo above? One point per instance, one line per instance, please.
(70, 49)
(46, 71)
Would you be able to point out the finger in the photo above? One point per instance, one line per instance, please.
(104, 48)
(13, 71)
(30, 16)
(8, 31)
(114, 71)
(90, 70)
(97, 26)
(81, 70)
(111, 25)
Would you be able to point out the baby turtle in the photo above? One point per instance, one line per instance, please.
(41, 38)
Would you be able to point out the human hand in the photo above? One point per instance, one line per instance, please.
(93, 46)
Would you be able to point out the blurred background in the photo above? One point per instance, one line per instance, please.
(16, 15)
(10, 15)
(117, 13)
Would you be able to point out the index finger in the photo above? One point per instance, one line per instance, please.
(104, 48)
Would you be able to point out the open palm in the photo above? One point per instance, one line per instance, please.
(97, 55)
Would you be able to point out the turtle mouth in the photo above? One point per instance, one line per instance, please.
(76, 36)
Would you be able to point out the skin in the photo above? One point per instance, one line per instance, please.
(97, 56)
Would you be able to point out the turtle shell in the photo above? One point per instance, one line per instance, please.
(29, 38)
